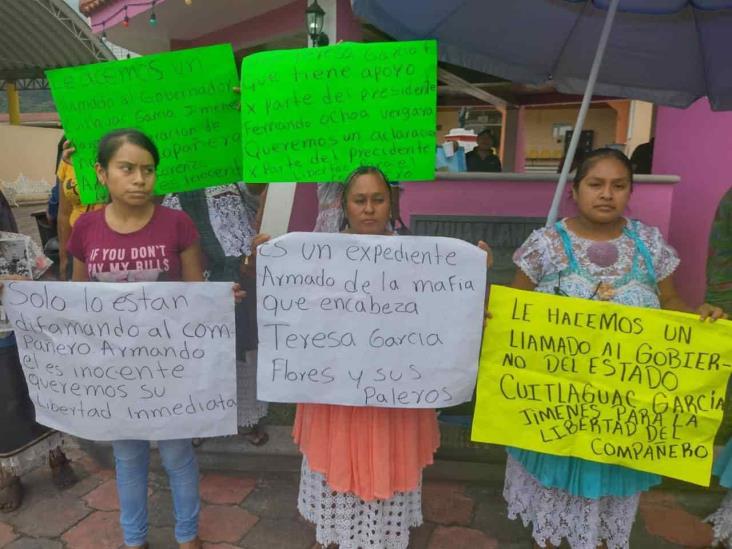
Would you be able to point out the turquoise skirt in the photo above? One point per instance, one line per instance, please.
(584, 478)
(723, 466)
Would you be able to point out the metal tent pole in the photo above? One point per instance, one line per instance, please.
(599, 54)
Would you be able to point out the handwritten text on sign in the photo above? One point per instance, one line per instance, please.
(183, 100)
(144, 361)
(313, 114)
(369, 320)
(637, 387)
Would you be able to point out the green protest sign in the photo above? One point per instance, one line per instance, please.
(183, 100)
(316, 114)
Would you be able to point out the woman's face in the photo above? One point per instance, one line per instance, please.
(603, 193)
(130, 175)
(367, 205)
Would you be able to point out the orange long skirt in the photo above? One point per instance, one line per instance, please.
(371, 452)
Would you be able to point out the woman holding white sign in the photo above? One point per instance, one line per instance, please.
(133, 239)
(599, 254)
(361, 474)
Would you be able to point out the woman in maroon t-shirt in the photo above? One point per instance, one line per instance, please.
(133, 239)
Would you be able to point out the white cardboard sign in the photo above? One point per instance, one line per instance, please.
(389, 321)
(112, 361)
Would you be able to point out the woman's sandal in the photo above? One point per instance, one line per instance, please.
(11, 492)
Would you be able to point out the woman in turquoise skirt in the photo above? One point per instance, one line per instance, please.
(599, 254)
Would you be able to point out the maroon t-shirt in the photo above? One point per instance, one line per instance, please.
(148, 254)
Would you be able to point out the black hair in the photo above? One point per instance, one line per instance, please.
(111, 142)
(355, 174)
(488, 133)
(595, 156)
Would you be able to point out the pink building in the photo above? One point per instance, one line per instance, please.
(689, 151)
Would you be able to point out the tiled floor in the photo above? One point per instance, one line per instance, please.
(258, 510)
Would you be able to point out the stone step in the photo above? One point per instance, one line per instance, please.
(457, 459)
(484, 464)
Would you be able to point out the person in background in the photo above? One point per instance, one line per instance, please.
(600, 254)
(7, 219)
(579, 157)
(483, 157)
(719, 256)
(24, 444)
(719, 293)
(70, 208)
(52, 207)
(642, 157)
(126, 164)
(226, 219)
(330, 213)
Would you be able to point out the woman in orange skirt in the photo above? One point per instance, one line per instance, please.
(361, 478)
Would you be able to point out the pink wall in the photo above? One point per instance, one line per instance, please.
(651, 202)
(347, 26)
(695, 144)
(282, 21)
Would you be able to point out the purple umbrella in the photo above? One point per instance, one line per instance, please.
(669, 52)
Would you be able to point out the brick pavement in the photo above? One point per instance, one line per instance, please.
(258, 511)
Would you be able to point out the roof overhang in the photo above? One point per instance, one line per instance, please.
(200, 23)
(36, 35)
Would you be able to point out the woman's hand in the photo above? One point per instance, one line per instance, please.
(239, 294)
(489, 263)
(67, 152)
(487, 249)
(486, 317)
(707, 311)
(237, 90)
(258, 240)
(249, 263)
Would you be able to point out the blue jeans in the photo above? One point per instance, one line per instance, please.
(132, 458)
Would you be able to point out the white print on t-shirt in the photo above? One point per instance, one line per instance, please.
(140, 258)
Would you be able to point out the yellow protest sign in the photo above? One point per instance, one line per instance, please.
(642, 388)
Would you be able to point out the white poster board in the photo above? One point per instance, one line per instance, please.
(369, 320)
(150, 361)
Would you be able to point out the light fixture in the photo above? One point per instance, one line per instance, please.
(315, 17)
(153, 18)
(189, 2)
(126, 20)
